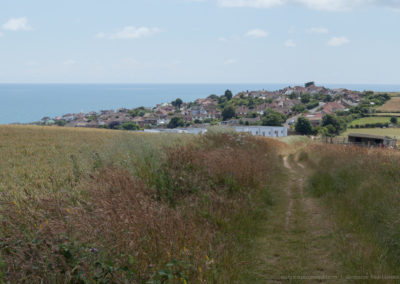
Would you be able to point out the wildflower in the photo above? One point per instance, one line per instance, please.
(94, 250)
(150, 265)
(68, 211)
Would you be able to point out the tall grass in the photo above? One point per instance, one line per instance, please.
(362, 188)
(107, 206)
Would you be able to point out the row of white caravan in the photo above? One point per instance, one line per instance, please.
(266, 131)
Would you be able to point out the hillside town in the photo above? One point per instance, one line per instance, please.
(245, 108)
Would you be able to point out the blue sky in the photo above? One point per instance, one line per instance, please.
(200, 41)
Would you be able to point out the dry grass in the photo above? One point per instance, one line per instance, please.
(391, 106)
(81, 205)
(361, 187)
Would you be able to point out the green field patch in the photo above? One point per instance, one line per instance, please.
(370, 120)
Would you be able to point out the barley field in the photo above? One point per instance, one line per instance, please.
(101, 206)
(391, 106)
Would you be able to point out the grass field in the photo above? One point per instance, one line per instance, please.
(360, 187)
(102, 206)
(370, 120)
(392, 132)
(391, 106)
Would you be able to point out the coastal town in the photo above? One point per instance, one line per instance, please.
(248, 108)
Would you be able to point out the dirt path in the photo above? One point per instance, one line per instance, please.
(298, 244)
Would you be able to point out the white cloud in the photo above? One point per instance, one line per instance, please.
(130, 32)
(257, 33)
(230, 61)
(318, 30)
(290, 43)
(251, 3)
(17, 24)
(338, 41)
(331, 5)
(325, 5)
(69, 62)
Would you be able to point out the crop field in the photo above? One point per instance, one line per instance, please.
(391, 106)
(103, 206)
(370, 120)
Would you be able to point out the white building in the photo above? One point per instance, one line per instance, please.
(266, 131)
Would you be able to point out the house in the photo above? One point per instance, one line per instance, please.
(332, 107)
(139, 121)
(197, 110)
(371, 140)
(242, 110)
(315, 118)
(150, 119)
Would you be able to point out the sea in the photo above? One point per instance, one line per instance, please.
(25, 103)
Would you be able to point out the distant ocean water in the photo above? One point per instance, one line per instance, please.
(25, 103)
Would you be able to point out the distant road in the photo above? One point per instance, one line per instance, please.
(286, 124)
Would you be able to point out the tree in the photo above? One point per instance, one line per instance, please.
(393, 120)
(213, 97)
(334, 124)
(273, 119)
(177, 103)
(303, 126)
(228, 112)
(298, 108)
(293, 96)
(228, 95)
(176, 122)
(61, 122)
(305, 98)
(114, 125)
(309, 84)
(129, 125)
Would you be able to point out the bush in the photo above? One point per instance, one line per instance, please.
(129, 126)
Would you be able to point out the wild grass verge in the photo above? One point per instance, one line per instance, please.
(111, 207)
(361, 186)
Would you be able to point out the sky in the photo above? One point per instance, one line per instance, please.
(200, 41)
